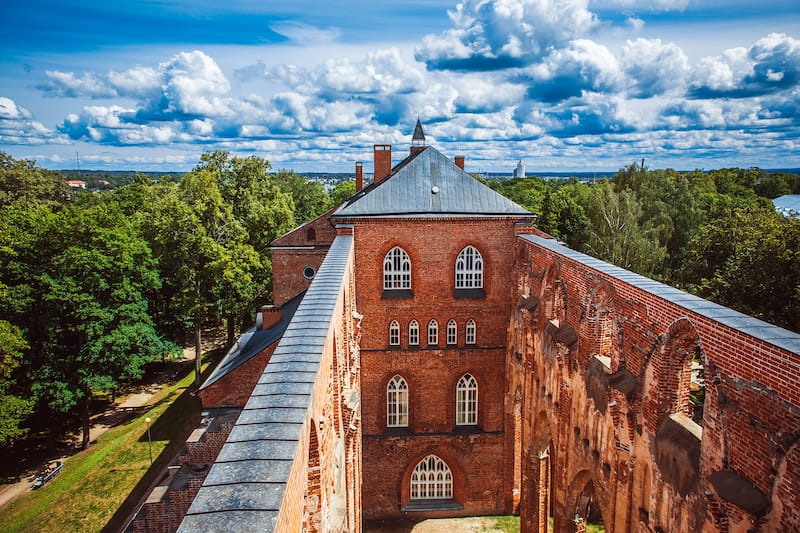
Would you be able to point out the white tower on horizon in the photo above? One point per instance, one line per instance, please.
(519, 172)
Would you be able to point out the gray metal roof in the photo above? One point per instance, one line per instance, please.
(770, 333)
(788, 205)
(252, 342)
(245, 485)
(429, 184)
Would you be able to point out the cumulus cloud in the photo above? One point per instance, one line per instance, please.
(497, 34)
(17, 125)
(771, 65)
(584, 66)
(189, 84)
(193, 84)
(654, 68)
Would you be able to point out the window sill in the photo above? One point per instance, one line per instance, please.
(432, 505)
(397, 431)
(397, 294)
(467, 429)
(469, 293)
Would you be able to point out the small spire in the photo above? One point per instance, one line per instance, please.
(418, 139)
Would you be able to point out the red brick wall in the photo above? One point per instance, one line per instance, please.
(235, 388)
(291, 253)
(287, 271)
(432, 374)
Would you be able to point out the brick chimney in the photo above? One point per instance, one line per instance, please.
(359, 176)
(383, 161)
(459, 160)
(270, 315)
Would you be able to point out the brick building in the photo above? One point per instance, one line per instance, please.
(449, 359)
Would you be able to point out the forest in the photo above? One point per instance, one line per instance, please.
(96, 285)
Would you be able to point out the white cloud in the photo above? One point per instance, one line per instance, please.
(583, 66)
(18, 127)
(495, 34)
(654, 68)
(193, 84)
(60, 83)
(771, 65)
(305, 33)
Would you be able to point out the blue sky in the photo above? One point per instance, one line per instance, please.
(564, 85)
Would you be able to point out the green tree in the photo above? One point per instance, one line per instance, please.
(342, 191)
(23, 181)
(14, 408)
(310, 198)
(564, 217)
(260, 208)
(95, 311)
(616, 235)
(748, 260)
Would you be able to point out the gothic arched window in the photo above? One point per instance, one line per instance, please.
(396, 270)
(397, 403)
(431, 480)
(469, 269)
(467, 401)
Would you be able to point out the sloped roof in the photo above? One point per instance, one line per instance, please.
(788, 205)
(429, 184)
(253, 342)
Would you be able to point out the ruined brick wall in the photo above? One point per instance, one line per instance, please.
(598, 378)
(476, 455)
(235, 388)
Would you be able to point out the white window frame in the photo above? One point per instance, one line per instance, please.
(431, 479)
(396, 270)
(433, 333)
(467, 401)
(413, 333)
(470, 332)
(397, 402)
(452, 332)
(394, 333)
(469, 269)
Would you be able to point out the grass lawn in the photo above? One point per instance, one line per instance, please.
(102, 484)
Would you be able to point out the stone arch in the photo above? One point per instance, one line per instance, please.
(600, 327)
(666, 411)
(671, 369)
(584, 503)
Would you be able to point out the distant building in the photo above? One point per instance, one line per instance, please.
(788, 205)
(519, 172)
(77, 184)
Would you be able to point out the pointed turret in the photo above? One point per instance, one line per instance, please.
(417, 139)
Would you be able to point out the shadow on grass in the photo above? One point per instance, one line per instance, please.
(174, 425)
